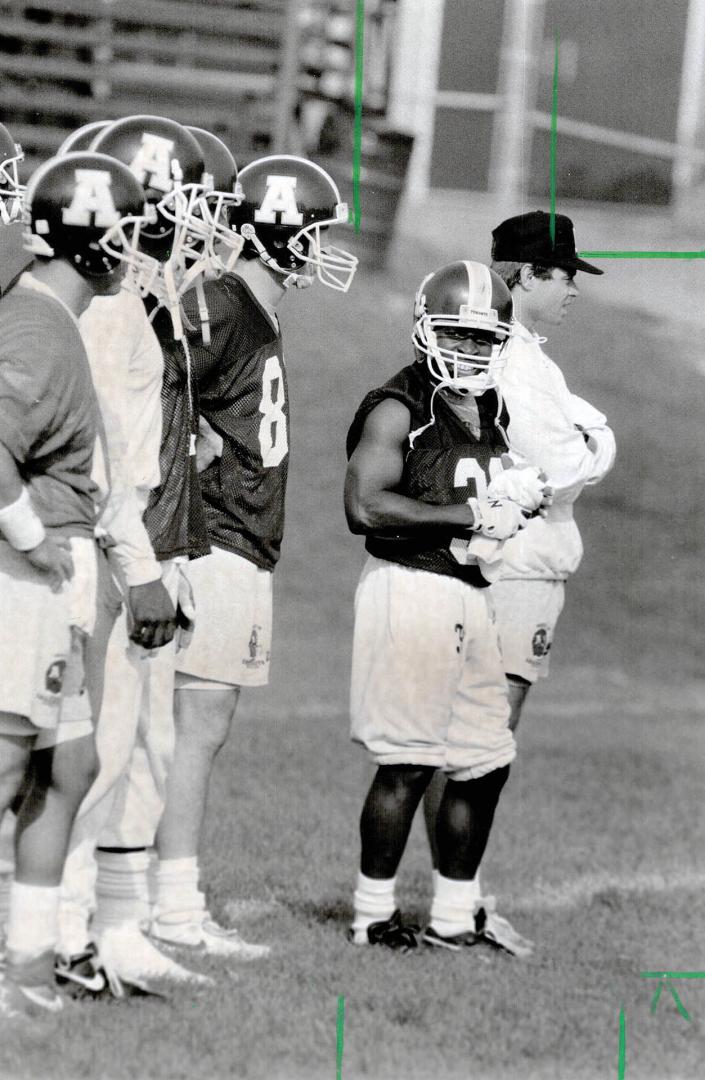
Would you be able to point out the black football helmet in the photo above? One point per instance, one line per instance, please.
(82, 137)
(287, 203)
(11, 191)
(221, 191)
(164, 157)
(72, 202)
(463, 296)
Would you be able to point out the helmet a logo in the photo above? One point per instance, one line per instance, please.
(152, 162)
(280, 199)
(92, 196)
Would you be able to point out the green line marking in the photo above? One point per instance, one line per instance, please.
(672, 974)
(641, 254)
(622, 1056)
(657, 995)
(554, 145)
(339, 1028)
(679, 1004)
(357, 134)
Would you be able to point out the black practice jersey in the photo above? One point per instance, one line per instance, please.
(242, 393)
(174, 517)
(443, 464)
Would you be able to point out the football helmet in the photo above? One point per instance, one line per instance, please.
(82, 137)
(463, 296)
(221, 191)
(11, 191)
(287, 203)
(165, 158)
(72, 202)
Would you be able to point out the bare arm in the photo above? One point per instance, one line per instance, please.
(375, 469)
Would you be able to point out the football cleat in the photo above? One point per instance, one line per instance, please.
(499, 932)
(27, 988)
(455, 942)
(490, 928)
(85, 975)
(126, 951)
(391, 932)
(206, 936)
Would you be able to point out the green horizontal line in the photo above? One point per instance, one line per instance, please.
(672, 974)
(641, 254)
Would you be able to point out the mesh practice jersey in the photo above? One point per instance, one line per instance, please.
(242, 393)
(174, 516)
(443, 464)
(48, 408)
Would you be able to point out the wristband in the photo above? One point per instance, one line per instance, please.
(20, 525)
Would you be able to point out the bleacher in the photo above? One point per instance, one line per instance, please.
(228, 65)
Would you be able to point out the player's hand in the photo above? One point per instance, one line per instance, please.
(524, 484)
(497, 518)
(153, 615)
(53, 557)
(209, 445)
(185, 613)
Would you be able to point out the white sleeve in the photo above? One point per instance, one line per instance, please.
(600, 442)
(542, 428)
(121, 519)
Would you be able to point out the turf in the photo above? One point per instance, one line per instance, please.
(595, 853)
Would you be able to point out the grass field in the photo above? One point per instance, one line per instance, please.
(597, 849)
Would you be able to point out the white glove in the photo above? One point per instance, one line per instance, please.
(497, 518)
(524, 484)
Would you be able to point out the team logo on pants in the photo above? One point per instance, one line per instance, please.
(255, 649)
(540, 643)
(54, 678)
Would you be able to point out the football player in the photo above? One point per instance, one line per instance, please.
(570, 438)
(287, 203)
(47, 551)
(428, 688)
(143, 383)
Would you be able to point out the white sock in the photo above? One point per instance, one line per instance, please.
(32, 924)
(121, 889)
(453, 907)
(178, 898)
(373, 900)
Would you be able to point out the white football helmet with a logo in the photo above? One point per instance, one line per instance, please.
(455, 301)
(288, 202)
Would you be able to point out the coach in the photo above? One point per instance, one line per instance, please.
(547, 424)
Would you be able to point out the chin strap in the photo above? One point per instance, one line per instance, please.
(299, 281)
(413, 435)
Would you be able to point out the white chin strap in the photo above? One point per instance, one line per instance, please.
(299, 281)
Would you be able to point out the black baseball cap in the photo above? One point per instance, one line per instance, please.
(526, 238)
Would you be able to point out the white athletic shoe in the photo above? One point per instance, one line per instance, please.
(489, 927)
(205, 935)
(27, 988)
(131, 955)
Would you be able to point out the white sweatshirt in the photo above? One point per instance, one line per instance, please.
(548, 425)
(127, 366)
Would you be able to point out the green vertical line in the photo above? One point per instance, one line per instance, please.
(357, 134)
(622, 1058)
(339, 1029)
(554, 145)
(655, 999)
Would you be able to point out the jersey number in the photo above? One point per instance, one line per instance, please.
(466, 470)
(273, 440)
